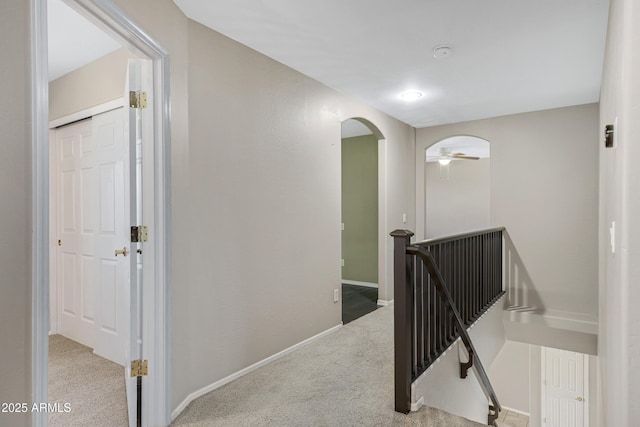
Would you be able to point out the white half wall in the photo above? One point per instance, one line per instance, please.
(441, 387)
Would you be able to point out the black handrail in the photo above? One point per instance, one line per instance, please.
(466, 273)
(438, 281)
(446, 239)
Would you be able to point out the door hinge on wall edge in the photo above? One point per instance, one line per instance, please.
(138, 99)
(139, 233)
(139, 368)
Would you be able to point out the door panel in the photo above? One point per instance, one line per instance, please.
(110, 209)
(564, 384)
(75, 251)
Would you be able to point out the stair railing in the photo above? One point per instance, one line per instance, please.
(441, 286)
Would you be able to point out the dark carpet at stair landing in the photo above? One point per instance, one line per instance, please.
(357, 301)
(92, 385)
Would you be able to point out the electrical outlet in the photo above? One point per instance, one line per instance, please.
(404, 218)
(336, 295)
(342, 226)
(342, 262)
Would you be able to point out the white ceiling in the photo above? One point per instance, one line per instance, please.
(73, 41)
(509, 56)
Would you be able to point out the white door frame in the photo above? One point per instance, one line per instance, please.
(543, 388)
(156, 402)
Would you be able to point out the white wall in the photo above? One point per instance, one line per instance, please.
(544, 190)
(619, 333)
(15, 210)
(457, 201)
(441, 385)
(509, 374)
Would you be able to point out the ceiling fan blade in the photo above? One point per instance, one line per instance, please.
(462, 156)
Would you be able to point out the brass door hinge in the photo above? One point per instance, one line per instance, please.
(139, 368)
(139, 233)
(137, 99)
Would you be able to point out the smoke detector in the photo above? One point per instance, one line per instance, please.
(442, 51)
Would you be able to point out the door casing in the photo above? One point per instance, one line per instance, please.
(156, 319)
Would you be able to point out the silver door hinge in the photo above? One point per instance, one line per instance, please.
(139, 233)
(137, 99)
(139, 368)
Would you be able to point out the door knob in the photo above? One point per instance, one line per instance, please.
(579, 399)
(122, 251)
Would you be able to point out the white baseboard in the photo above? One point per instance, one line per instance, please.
(383, 303)
(357, 283)
(417, 405)
(196, 394)
(517, 411)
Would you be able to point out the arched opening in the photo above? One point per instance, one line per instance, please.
(457, 182)
(363, 253)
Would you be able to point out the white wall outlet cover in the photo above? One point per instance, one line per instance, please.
(404, 218)
(336, 295)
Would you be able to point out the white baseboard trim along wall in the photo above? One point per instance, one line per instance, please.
(196, 394)
(357, 283)
(383, 303)
(517, 411)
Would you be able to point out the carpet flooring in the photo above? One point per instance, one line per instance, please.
(342, 379)
(92, 385)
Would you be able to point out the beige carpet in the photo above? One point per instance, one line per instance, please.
(342, 379)
(92, 385)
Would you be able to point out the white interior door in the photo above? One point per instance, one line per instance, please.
(111, 207)
(134, 171)
(564, 388)
(76, 259)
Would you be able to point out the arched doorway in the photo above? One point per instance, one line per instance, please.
(363, 248)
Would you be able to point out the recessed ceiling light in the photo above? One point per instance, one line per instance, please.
(442, 51)
(411, 95)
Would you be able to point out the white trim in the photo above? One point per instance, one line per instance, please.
(156, 322)
(585, 382)
(385, 255)
(89, 112)
(357, 283)
(53, 221)
(543, 393)
(517, 411)
(383, 303)
(417, 405)
(39, 208)
(198, 393)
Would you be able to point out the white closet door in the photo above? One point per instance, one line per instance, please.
(76, 253)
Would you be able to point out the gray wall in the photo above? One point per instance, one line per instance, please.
(264, 172)
(619, 327)
(15, 209)
(457, 201)
(360, 208)
(544, 190)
